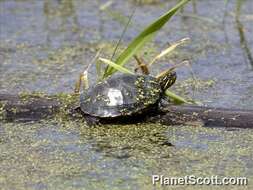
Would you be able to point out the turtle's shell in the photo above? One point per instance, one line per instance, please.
(121, 95)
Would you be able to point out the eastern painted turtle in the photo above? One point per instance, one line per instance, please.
(124, 96)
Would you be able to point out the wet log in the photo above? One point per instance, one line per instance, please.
(34, 107)
(211, 117)
(27, 108)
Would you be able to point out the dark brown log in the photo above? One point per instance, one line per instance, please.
(33, 107)
(29, 108)
(214, 117)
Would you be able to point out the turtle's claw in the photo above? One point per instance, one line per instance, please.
(92, 121)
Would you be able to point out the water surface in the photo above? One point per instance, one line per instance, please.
(44, 45)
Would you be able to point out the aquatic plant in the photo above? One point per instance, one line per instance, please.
(145, 36)
(136, 45)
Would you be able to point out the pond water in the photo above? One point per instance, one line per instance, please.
(53, 155)
(44, 45)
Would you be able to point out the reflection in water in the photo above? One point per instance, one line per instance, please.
(224, 22)
(194, 6)
(128, 141)
(240, 28)
(61, 20)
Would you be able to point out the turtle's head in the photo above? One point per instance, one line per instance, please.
(167, 78)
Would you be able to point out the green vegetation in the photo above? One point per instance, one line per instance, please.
(137, 44)
(115, 66)
(145, 36)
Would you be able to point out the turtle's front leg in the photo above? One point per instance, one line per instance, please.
(164, 103)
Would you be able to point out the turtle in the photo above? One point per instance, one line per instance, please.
(124, 97)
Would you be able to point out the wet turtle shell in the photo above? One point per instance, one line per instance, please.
(121, 95)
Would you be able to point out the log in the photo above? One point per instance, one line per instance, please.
(27, 108)
(36, 107)
(211, 117)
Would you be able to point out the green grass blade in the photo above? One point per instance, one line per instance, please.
(115, 66)
(123, 33)
(177, 99)
(145, 36)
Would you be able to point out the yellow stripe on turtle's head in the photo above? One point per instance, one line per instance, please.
(167, 78)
